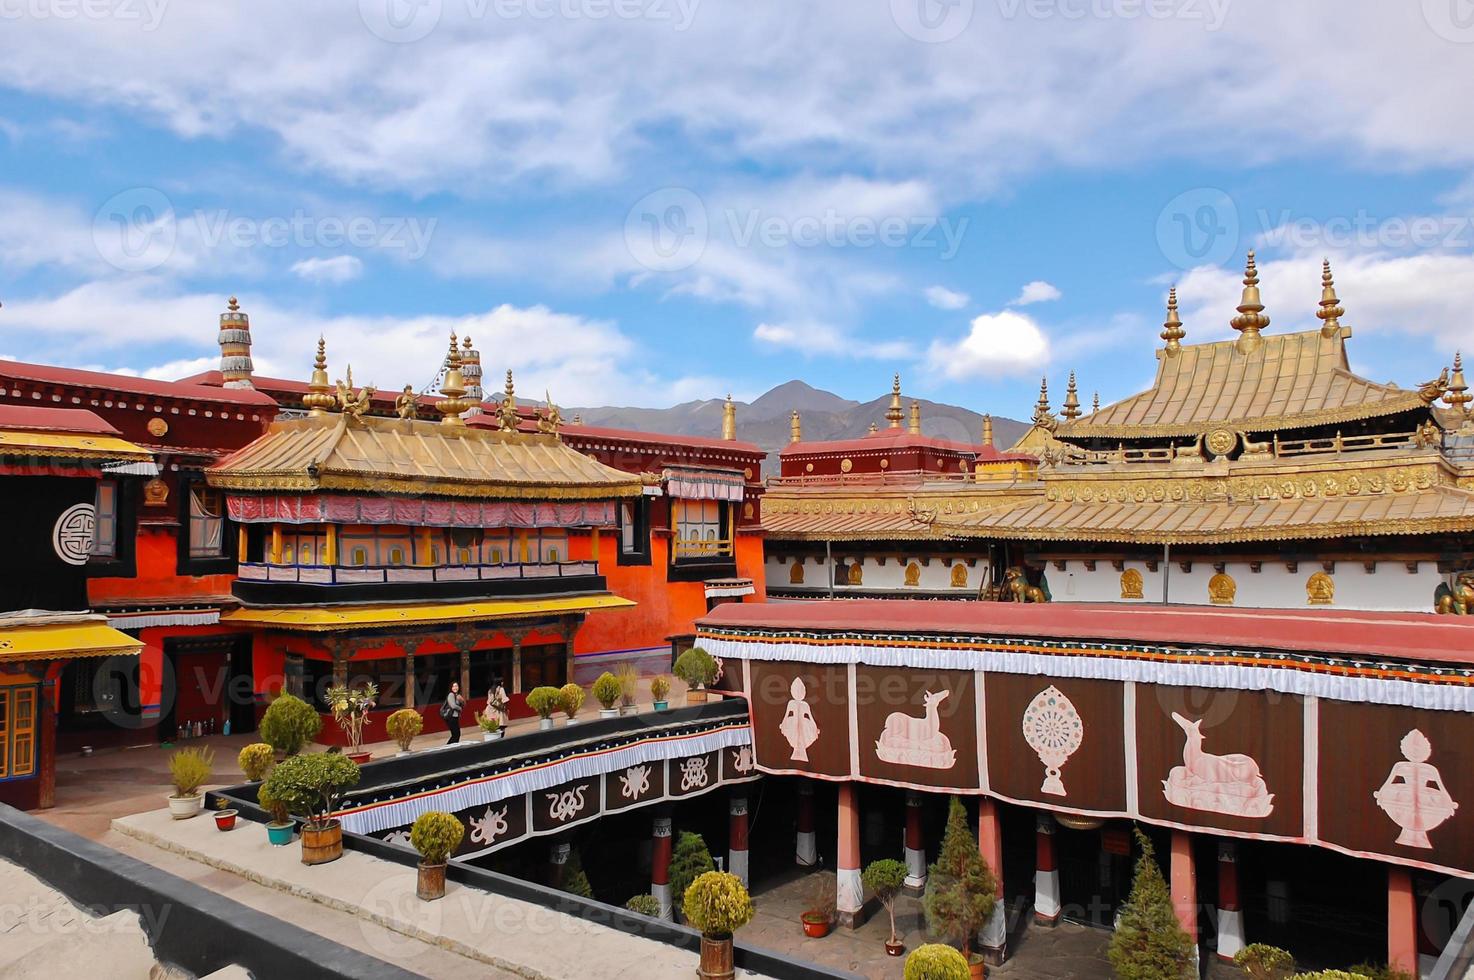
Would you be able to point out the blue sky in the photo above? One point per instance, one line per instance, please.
(648, 201)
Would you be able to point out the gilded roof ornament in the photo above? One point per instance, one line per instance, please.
(1072, 400)
(894, 415)
(988, 430)
(795, 428)
(406, 406)
(729, 419)
(552, 419)
(1251, 320)
(453, 388)
(915, 424)
(1330, 309)
(1431, 391)
(507, 411)
(1095, 403)
(319, 398)
(1457, 397)
(577, 419)
(874, 428)
(1043, 417)
(1172, 331)
(354, 403)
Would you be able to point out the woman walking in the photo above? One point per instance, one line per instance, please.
(497, 701)
(451, 712)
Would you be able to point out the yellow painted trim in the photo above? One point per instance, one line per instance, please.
(332, 556)
(317, 619)
(13, 441)
(276, 544)
(241, 543)
(62, 640)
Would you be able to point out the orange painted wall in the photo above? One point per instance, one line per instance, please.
(156, 557)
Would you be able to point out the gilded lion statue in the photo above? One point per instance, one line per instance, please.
(1019, 588)
(1456, 601)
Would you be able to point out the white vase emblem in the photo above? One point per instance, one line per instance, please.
(1414, 795)
(491, 826)
(1053, 729)
(909, 741)
(798, 725)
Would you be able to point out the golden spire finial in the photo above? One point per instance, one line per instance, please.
(1072, 400)
(795, 428)
(729, 419)
(507, 411)
(1251, 319)
(988, 430)
(1457, 397)
(915, 425)
(894, 415)
(234, 305)
(319, 397)
(1330, 309)
(1172, 331)
(1043, 417)
(1095, 403)
(453, 388)
(466, 341)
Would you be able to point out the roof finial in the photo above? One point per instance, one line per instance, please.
(1251, 319)
(894, 415)
(507, 411)
(874, 428)
(319, 397)
(234, 305)
(729, 419)
(453, 388)
(234, 339)
(915, 425)
(795, 428)
(551, 420)
(1172, 331)
(1072, 400)
(577, 418)
(988, 430)
(1330, 309)
(1457, 397)
(1043, 417)
(1095, 403)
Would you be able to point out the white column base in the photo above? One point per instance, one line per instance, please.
(661, 894)
(1046, 895)
(808, 850)
(915, 868)
(850, 901)
(994, 934)
(737, 864)
(1230, 933)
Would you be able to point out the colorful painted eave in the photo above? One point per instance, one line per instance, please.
(65, 445)
(331, 618)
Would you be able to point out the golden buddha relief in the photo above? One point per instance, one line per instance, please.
(913, 575)
(1132, 584)
(857, 573)
(155, 493)
(1222, 589)
(959, 576)
(796, 574)
(1320, 590)
(846, 464)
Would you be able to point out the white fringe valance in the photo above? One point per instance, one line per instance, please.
(138, 621)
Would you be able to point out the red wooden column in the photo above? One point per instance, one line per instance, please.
(1402, 921)
(806, 852)
(660, 866)
(1230, 912)
(46, 736)
(1046, 872)
(850, 902)
(1184, 885)
(994, 935)
(915, 845)
(737, 836)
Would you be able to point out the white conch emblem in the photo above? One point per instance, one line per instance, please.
(72, 536)
(565, 805)
(1414, 795)
(491, 826)
(1228, 784)
(693, 772)
(909, 741)
(1053, 729)
(742, 761)
(798, 725)
(634, 782)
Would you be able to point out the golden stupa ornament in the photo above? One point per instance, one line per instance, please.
(1095, 403)
(453, 388)
(1172, 331)
(914, 427)
(988, 430)
(1043, 416)
(1251, 320)
(1330, 310)
(874, 429)
(1071, 409)
(319, 398)
(353, 403)
(507, 410)
(795, 428)
(1457, 396)
(894, 415)
(729, 419)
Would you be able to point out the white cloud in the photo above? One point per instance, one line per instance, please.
(338, 269)
(822, 338)
(996, 345)
(945, 299)
(1037, 291)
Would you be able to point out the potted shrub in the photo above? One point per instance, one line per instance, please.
(435, 835)
(961, 891)
(311, 786)
(607, 691)
(224, 815)
(188, 771)
(659, 689)
(570, 699)
(255, 761)
(933, 961)
(818, 917)
(629, 687)
(718, 905)
(697, 668)
(689, 860)
(1260, 961)
(1148, 940)
(886, 879)
(544, 700)
(351, 706)
(289, 723)
(279, 829)
(402, 726)
(644, 905)
(490, 725)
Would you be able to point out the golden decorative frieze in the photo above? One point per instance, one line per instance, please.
(1243, 489)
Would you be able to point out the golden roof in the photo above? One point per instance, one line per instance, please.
(1286, 381)
(345, 452)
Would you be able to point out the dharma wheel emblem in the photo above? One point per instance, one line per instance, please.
(1053, 729)
(1414, 795)
(1220, 442)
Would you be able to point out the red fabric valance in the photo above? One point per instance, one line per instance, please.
(334, 509)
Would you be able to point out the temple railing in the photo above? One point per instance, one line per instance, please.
(1272, 448)
(411, 574)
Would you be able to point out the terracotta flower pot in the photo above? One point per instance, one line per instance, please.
(225, 819)
(360, 757)
(894, 948)
(322, 844)
(716, 958)
(815, 926)
(977, 967)
(431, 884)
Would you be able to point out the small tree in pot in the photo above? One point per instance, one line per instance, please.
(817, 917)
(960, 888)
(570, 699)
(289, 723)
(697, 668)
(1149, 943)
(544, 700)
(659, 689)
(188, 771)
(934, 961)
(435, 835)
(629, 687)
(490, 725)
(279, 829)
(256, 761)
(718, 905)
(886, 879)
(351, 706)
(607, 691)
(403, 726)
(311, 786)
(689, 860)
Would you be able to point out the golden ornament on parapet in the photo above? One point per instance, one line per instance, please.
(1131, 584)
(1222, 589)
(796, 573)
(913, 575)
(158, 428)
(959, 576)
(1320, 590)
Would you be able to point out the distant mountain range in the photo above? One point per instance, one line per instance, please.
(824, 416)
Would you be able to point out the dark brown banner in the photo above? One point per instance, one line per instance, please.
(917, 726)
(801, 717)
(1056, 740)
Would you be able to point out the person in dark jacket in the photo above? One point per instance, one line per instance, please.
(451, 712)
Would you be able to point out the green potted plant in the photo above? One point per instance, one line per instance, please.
(934, 961)
(629, 687)
(279, 829)
(289, 723)
(311, 786)
(818, 916)
(886, 878)
(961, 891)
(1149, 942)
(570, 699)
(490, 725)
(402, 726)
(188, 771)
(351, 706)
(689, 860)
(659, 689)
(256, 760)
(224, 815)
(435, 835)
(644, 905)
(697, 668)
(544, 700)
(717, 905)
(1261, 961)
(607, 691)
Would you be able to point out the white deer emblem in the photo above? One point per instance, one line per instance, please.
(1228, 784)
(635, 782)
(911, 741)
(490, 826)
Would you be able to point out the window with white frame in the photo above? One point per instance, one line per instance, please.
(105, 531)
(700, 529)
(206, 523)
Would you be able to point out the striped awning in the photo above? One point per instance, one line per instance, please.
(699, 483)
